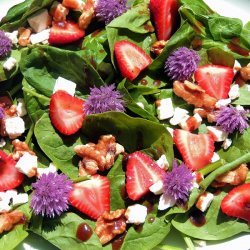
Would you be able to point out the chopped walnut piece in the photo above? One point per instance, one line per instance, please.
(88, 13)
(19, 149)
(158, 47)
(24, 36)
(110, 224)
(234, 177)
(242, 75)
(58, 12)
(194, 94)
(9, 220)
(100, 156)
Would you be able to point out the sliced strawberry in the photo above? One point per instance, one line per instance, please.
(10, 177)
(196, 150)
(65, 32)
(215, 80)
(165, 17)
(73, 4)
(237, 202)
(66, 112)
(92, 197)
(131, 59)
(142, 172)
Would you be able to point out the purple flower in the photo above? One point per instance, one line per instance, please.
(231, 119)
(107, 10)
(103, 99)
(2, 113)
(178, 182)
(50, 196)
(5, 44)
(181, 64)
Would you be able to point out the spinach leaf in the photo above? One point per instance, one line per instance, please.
(152, 233)
(222, 28)
(220, 57)
(116, 177)
(42, 65)
(218, 226)
(61, 232)
(29, 9)
(244, 98)
(239, 147)
(35, 106)
(4, 74)
(58, 148)
(133, 133)
(133, 25)
(245, 35)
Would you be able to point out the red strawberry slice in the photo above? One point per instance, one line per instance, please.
(66, 112)
(237, 202)
(65, 32)
(196, 150)
(215, 80)
(92, 197)
(131, 59)
(142, 172)
(10, 177)
(165, 17)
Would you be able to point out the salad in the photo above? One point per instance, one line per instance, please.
(122, 121)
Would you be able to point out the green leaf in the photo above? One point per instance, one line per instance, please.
(220, 57)
(244, 98)
(5, 74)
(42, 65)
(218, 226)
(116, 177)
(58, 148)
(133, 133)
(222, 28)
(61, 232)
(245, 35)
(197, 6)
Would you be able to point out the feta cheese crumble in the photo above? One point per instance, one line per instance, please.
(64, 84)
(136, 214)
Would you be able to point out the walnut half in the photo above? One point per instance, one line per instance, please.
(100, 156)
(110, 224)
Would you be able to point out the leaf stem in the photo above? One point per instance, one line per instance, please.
(81, 178)
(211, 167)
(189, 242)
(39, 96)
(30, 133)
(223, 169)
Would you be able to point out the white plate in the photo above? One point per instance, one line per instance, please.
(231, 8)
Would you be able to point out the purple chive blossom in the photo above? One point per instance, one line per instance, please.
(181, 64)
(2, 113)
(5, 44)
(231, 119)
(50, 196)
(107, 10)
(178, 182)
(103, 99)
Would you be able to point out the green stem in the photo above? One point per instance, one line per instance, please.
(30, 134)
(81, 178)
(188, 242)
(223, 169)
(15, 89)
(39, 96)
(211, 167)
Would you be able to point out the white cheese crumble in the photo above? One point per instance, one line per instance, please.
(234, 92)
(64, 84)
(20, 199)
(157, 188)
(180, 115)
(50, 169)
(14, 126)
(227, 143)
(162, 162)
(21, 109)
(140, 104)
(204, 201)
(222, 103)
(12, 36)
(215, 157)
(41, 37)
(136, 214)
(217, 133)
(27, 164)
(2, 143)
(10, 64)
(164, 108)
(166, 201)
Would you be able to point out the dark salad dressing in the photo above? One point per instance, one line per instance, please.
(197, 218)
(84, 232)
(117, 242)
